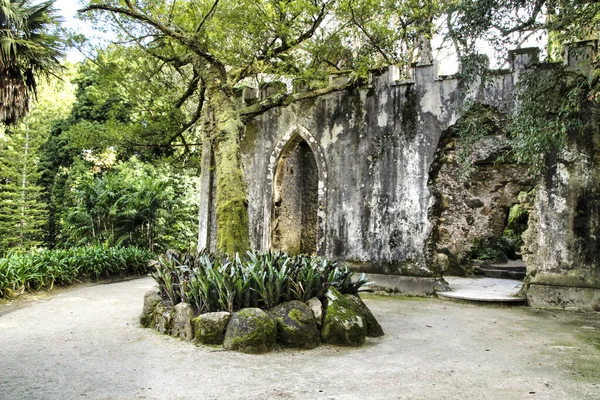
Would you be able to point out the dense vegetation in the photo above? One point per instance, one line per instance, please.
(109, 154)
(47, 268)
(214, 283)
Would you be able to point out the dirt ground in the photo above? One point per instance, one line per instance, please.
(87, 343)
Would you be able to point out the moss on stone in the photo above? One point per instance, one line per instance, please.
(151, 300)
(251, 330)
(209, 328)
(296, 325)
(341, 324)
(360, 308)
(163, 318)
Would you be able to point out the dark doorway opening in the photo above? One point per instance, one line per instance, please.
(295, 200)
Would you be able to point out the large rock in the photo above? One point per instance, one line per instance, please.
(210, 328)
(163, 318)
(151, 299)
(251, 330)
(341, 324)
(181, 325)
(373, 327)
(296, 325)
(317, 308)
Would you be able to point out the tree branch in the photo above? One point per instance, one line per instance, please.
(285, 99)
(174, 33)
(207, 16)
(371, 39)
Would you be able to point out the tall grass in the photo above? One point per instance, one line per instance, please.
(212, 283)
(46, 268)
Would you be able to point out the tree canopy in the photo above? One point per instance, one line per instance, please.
(216, 46)
(27, 49)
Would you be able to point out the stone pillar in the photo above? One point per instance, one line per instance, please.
(580, 56)
(563, 239)
(521, 59)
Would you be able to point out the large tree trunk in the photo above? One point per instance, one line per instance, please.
(232, 203)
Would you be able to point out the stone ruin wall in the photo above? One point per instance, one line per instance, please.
(376, 149)
(387, 202)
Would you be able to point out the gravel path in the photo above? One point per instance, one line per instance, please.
(87, 343)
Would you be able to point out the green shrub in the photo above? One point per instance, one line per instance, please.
(213, 283)
(495, 249)
(46, 268)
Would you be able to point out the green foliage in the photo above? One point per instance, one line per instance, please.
(22, 211)
(27, 50)
(264, 280)
(44, 269)
(549, 99)
(507, 23)
(550, 105)
(477, 121)
(23, 207)
(518, 218)
(494, 249)
(128, 203)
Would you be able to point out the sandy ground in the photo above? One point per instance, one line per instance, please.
(87, 343)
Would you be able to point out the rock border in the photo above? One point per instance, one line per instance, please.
(342, 320)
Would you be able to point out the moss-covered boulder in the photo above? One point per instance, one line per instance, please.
(296, 325)
(163, 318)
(373, 327)
(342, 325)
(210, 328)
(151, 299)
(181, 326)
(317, 309)
(251, 330)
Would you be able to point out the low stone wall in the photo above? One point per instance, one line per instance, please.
(340, 320)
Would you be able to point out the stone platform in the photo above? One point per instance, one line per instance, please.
(483, 290)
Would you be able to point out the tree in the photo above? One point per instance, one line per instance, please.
(219, 45)
(27, 50)
(127, 203)
(508, 23)
(551, 100)
(23, 209)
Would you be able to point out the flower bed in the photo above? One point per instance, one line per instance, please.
(249, 303)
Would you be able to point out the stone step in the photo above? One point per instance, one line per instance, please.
(479, 289)
(491, 272)
(503, 267)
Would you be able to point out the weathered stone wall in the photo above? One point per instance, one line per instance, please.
(374, 148)
(563, 239)
(388, 195)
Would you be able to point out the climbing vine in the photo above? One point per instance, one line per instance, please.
(551, 102)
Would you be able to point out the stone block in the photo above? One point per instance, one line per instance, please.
(562, 297)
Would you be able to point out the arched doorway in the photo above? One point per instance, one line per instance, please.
(295, 200)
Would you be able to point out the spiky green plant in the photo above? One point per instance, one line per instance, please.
(46, 268)
(213, 283)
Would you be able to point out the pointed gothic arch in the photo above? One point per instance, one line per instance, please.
(294, 214)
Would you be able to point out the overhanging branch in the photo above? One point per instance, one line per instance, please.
(285, 99)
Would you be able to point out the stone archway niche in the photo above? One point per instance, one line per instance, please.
(295, 200)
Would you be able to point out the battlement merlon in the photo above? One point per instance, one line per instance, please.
(578, 56)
